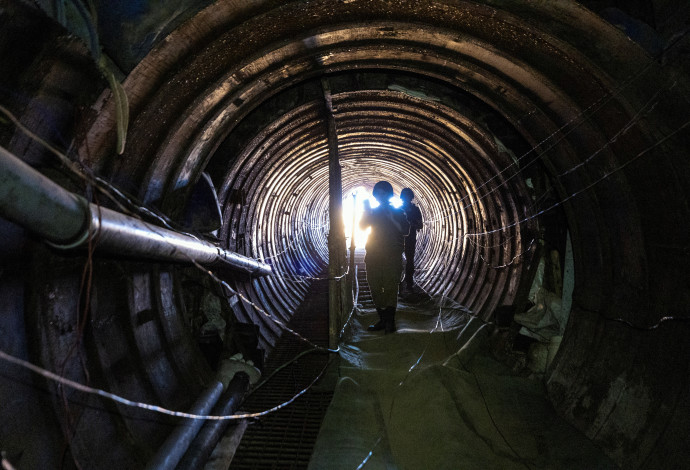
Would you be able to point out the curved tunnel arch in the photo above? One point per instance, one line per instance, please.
(382, 135)
(525, 93)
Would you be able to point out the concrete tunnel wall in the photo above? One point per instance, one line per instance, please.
(492, 111)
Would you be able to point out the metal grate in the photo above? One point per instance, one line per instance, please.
(285, 439)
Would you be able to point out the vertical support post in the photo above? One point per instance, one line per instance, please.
(353, 246)
(351, 278)
(336, 235)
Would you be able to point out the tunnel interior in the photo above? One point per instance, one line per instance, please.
(518, 125)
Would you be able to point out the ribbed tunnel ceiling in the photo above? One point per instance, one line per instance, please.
(513, 122)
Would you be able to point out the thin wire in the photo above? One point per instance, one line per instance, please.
(70, 165)
(439, 321)
(586, 188)
(443, 298)
(6, 465)
(158, 409)
(511, 261)
(585, 113)
(648, 105)
(267, 379)
(302, 232)
(355, 299)
(653, 326)
(371, 452)
(256, 307)
(486, 405)
(102, 185)
(87, 389)
(301, 278)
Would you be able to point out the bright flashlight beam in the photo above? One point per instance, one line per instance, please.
(355, 206)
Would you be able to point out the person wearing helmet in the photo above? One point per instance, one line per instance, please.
(414, 217)
(383, 258)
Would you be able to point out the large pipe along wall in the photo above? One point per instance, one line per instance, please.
(512, 122)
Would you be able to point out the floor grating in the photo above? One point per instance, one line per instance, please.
(285, 438)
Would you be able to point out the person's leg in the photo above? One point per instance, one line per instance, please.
(379, 325)
(388, 319)
(376, 283)
(409, 268)
(391, 272)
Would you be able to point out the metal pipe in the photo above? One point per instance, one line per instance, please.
(207, 439)
(31, 200)
(67, 220)
(177, 443)
(120, 233)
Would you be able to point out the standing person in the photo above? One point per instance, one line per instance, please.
(383, 257)
(414, 217)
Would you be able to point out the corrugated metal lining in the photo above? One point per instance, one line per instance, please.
(572, 87)
(382, 135)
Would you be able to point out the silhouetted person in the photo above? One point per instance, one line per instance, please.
(384, 250)
(414, 217)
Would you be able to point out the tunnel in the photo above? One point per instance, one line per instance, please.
(525, 129)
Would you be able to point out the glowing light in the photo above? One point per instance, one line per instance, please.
(353, 206)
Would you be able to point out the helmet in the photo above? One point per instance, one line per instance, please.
(382, 191)
(406, 194)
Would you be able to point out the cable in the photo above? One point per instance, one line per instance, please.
(488, 411)
(581, 117)
(511, 261)
(613, 139)
(371, 452)
(586, 188)
(265, 380)
(111, 396)
(107, 188)
(6, 465)
(647, 327)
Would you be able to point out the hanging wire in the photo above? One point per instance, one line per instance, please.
(633, 120)
(62, 381)
(578, 119)
(116, 196)
(588, 187)
(158, 409)
(95, 391)
(125, 203)
(599, 103)
(513, 260)
(293, 243)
